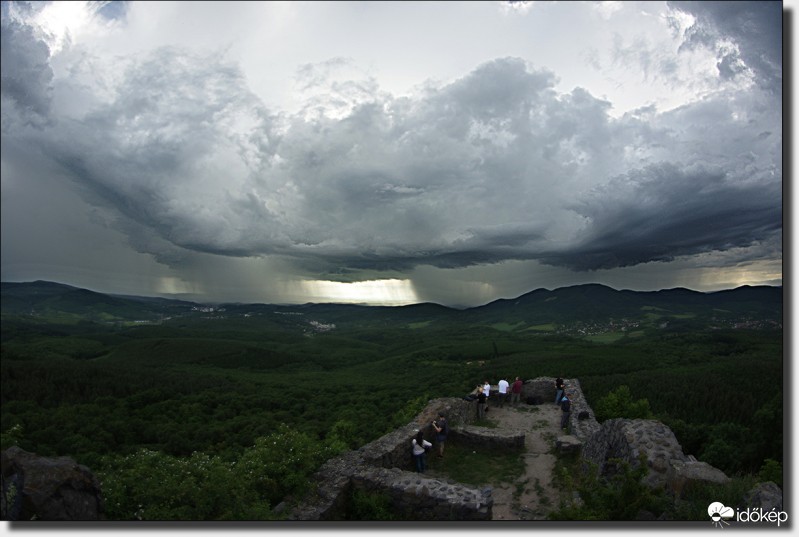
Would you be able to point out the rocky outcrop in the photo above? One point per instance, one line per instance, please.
(624, 441)
(44, 488)
(621, 441)
(766, 496)
(683, 473)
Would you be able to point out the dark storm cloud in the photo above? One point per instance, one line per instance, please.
(494, 166)
(755, 27)
(25, 75)
(660, 212)
(167, 156)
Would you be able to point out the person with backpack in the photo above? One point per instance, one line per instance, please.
(420, 447)
(442, 430)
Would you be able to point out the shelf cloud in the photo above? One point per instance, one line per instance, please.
(177, 153)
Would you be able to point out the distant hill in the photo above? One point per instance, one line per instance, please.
(540, 310)
(595, 302)
(55, 301)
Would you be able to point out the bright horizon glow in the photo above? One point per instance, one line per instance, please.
(391, 292)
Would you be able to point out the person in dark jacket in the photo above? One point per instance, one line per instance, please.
(558, 390)
(481, 404)
(442, 430)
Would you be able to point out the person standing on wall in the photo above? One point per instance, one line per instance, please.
(515, 392)
(503, 392)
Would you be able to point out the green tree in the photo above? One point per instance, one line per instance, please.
(280, 464)
(621, 496)
(619, 404)
(151, 485)
(771, 471)
(11, 437)
(729, 448)
(344, 435)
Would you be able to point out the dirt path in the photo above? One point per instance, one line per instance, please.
(531, 496)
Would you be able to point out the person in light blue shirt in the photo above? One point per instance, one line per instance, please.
(566, 407)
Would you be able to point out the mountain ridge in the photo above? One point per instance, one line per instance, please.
(537, 309)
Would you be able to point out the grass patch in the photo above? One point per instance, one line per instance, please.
(364, 505)
(542, 328)
(540, 424)
(506, 327)
(479, 466)
(421, 324)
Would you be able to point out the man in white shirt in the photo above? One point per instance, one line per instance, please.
(503, 392)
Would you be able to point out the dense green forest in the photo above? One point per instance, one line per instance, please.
(196, 401)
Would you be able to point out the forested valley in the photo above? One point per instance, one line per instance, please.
(223, 414)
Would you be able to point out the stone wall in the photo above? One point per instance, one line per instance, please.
(393, 450)
(385, 465)
(415, 497)
(582, 422)
(367, 467)
(486, 438)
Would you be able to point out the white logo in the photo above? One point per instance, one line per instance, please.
(718, 513)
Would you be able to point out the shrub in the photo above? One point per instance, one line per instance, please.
(619, 404)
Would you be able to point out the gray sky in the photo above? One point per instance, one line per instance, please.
(391, 152)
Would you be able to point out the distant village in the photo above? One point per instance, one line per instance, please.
(577, 329)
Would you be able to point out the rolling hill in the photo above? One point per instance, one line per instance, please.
(541, 309)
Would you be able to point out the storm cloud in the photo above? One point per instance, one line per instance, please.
(180, 155)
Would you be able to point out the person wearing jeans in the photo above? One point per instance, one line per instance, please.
(419, 446)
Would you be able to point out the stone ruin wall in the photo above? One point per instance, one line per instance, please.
(386, 465)
(582, 422)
